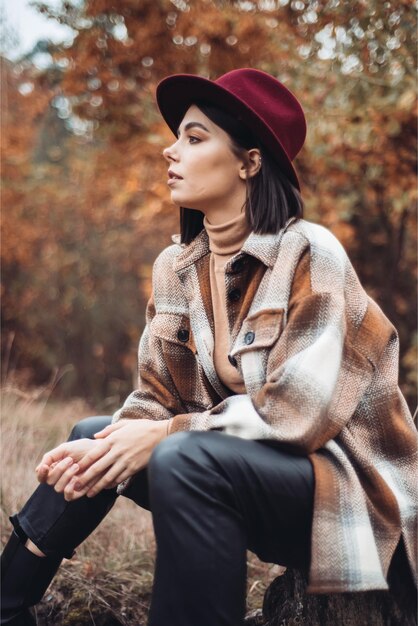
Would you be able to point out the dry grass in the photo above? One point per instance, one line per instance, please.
(109, 580)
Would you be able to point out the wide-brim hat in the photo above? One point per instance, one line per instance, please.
(257, 99)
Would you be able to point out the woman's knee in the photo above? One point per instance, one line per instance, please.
(182, 459)
(166, 453)
(176, 472)
(181, 448)
(87, 427)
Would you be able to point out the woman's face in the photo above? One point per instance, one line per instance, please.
(204, 173)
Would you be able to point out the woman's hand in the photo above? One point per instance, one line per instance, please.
(59, 466)
(121, 450)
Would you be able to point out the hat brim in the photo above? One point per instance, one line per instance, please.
(175, 94)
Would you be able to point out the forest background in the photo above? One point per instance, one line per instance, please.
(85, 206)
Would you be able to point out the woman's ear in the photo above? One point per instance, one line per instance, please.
(253, 164)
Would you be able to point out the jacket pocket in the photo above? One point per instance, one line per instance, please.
(259, 331)
(173, 334)
(173, 329)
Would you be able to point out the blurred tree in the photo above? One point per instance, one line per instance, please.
(84, 178)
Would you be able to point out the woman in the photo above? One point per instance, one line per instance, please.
(267, 414)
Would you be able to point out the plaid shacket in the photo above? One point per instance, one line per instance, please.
(319, 360)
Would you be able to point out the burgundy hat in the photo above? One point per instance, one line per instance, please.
(258, 100)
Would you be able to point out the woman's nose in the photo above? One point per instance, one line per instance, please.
(169, 153)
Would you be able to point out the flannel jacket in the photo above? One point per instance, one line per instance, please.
(319, 360)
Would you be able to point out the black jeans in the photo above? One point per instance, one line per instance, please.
(212, 496)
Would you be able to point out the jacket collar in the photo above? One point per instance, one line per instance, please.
(262, 247)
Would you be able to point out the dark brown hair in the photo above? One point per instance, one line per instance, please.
(271, 198)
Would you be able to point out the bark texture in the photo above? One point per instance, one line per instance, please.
(286, 602)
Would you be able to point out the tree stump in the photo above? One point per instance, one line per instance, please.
(286, 602)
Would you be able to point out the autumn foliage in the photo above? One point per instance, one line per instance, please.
(85, 207)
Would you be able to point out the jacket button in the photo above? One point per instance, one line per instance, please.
(232, 360)
(249, 338)
(234, 295)
(183, 335)
(237, 266)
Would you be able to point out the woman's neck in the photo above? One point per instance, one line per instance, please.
(226, 208)
(227, 238)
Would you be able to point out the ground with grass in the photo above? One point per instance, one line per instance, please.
(109, 579)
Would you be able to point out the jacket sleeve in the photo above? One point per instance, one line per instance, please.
(156, 396)
(317, 370)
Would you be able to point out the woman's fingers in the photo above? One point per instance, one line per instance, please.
(96, 452)
(120, 450)
(66, 477)
(52, 457)
(58, 470)
(70, 493)
(42, 472)
(94, 471)
(56, 463)
(106, 481)
(109, 429)
(120, 478)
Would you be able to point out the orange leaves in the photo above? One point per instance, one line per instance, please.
(86, 207)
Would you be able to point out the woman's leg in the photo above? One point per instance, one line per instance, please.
(212, 497)
(56, 528)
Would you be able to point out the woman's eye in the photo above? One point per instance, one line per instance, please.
(193, 139)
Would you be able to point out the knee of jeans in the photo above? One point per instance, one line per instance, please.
(165, 455)
(172, 468)
(87, 427)
(183, 454)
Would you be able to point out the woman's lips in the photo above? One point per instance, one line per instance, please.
(173, 178)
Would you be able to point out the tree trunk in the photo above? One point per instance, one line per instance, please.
(286, 602)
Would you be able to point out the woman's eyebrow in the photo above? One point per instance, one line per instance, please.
(190, 125)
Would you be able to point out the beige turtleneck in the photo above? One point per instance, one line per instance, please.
(225, 240)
